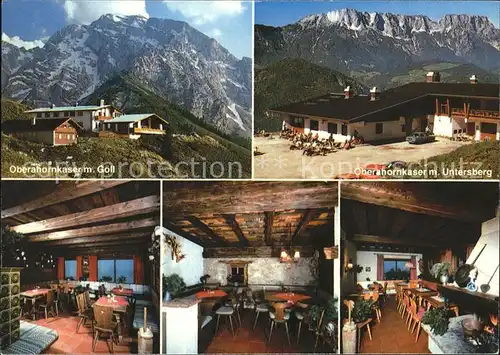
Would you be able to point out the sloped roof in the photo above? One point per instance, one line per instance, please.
(133, 118)
(334, 105)
(41, 125)
(69, 108)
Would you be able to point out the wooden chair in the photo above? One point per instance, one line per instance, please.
(57, 289)
(84, 313)
(360, 327)
(279, 316)
(416, 317)
(385, 292)
(88, 301)
(48, 305)
(105, 325)
(373, 297)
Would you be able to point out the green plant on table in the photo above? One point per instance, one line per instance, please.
(362, 310)
(122, 279)
(438, 319)
(173, 284)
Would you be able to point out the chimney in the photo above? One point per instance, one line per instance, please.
(473, 79)
(76, 103)
(348, 93)
(102, 102)
(52, 106)
(433, 77)
(374, 94)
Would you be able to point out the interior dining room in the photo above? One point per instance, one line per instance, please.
(249, 267)
(80, 267)
(419, 267)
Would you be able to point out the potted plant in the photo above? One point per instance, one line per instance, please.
(438, 319)
(122, 279)
(362, 311)
(440, 271)
(172, 285)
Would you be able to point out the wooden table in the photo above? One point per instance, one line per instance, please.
(438, 302)
(211, 294)
(32, 295)
(422, 292)
(122, 291)
(120, 307)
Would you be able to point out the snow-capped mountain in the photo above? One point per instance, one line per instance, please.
(349, 40)
(171, 58)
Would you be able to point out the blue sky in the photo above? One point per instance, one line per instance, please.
(283, 13)
(28, 21)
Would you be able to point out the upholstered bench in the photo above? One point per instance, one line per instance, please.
(34, 339)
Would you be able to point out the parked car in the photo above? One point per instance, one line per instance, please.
(420, 137)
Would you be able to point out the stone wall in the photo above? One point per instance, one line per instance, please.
(267, 271)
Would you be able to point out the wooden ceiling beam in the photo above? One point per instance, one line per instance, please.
(65, 192)
(182, 233)
(132, 243)
(412, 198)
(268, 233)
(107, 238)
(198, 198)
(231, 220)
(363, 238)
(207, 230)
(130, 208)
(95, 231)
(308, 215)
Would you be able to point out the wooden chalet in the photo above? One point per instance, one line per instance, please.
(84, 257)
(53, 131)
(404, 249)
(242, 249)
(447, 109)
(134, 125)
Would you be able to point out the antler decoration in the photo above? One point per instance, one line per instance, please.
(175, 248)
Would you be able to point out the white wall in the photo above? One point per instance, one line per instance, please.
(369, 259)
(181, 329)
(489, 258)
(391, 130)
(267, 271)
(191, 267)
(445, 126)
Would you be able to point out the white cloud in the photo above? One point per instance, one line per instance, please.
(215, 33)
(18, 42)
(84, 12)
(203, 12)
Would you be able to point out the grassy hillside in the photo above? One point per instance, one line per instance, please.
(152, 156)
(450, 73)
(481, 155)
(13, 110)
(292, 80)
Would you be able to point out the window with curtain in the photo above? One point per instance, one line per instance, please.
(115, 270)
(70, 269)
(395, 269)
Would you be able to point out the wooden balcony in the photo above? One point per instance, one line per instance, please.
(477, 115)
(147, 130)
(104, 118)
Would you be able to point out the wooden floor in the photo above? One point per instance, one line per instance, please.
(391, 335)
(255, 341)
(71, 343)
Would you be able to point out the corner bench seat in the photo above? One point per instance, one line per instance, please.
(34, 339)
